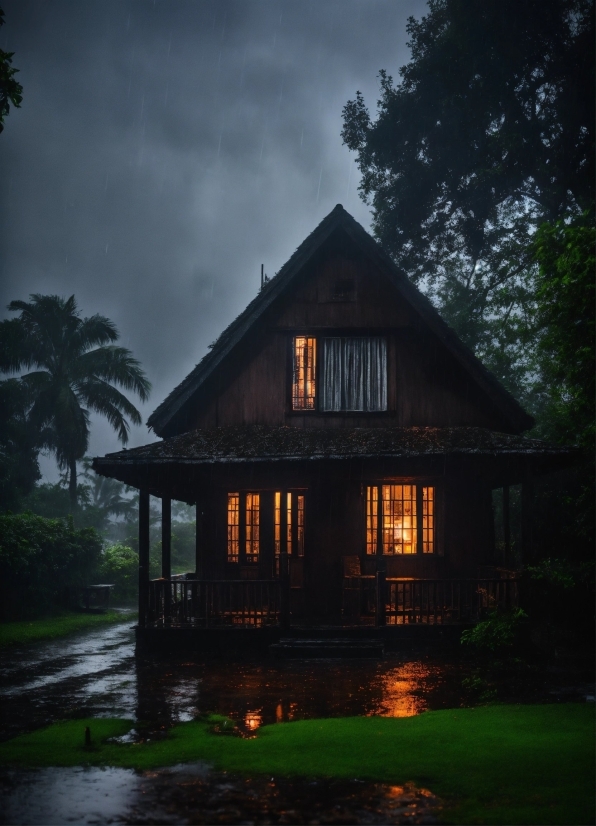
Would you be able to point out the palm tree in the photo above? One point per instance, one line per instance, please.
(78, 366)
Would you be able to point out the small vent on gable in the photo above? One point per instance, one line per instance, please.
(344, 289)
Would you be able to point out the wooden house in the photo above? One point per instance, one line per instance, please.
(341, 445)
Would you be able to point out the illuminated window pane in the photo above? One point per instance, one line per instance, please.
(300, 525)
(252, 527)
(233, 526)
(289, 523)
(277, 522)
(399, 519)
(428, 520)
(303, 383)
(372, 519)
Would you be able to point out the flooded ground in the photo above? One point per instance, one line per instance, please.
(97, 674)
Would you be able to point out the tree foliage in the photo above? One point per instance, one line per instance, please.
(39, 559)
(19, 469)
(565, 315)
(488, 133)
(78, 366)
(11, 90)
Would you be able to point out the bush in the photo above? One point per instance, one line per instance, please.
(497, 634)
(40, 559)
(120, 566)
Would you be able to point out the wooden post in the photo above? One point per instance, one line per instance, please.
(166, 538)
(381, 588)
(166, 554)
(284, 574)
(143, 557)
(527, 502)
(506, 526)
(199, 541)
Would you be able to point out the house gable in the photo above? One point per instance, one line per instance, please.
(339, 282)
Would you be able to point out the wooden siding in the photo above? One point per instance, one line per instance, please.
(426, 385)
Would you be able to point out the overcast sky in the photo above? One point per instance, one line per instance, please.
(166, 148)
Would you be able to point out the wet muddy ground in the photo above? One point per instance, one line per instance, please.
(97, 674)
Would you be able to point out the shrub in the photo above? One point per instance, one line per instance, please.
(497, 633)
(40, 559)
(120, 566)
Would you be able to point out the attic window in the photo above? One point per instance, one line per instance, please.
(354, 374)
(344, 290)
(304, 373)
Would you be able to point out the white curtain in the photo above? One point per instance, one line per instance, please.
(354, 374)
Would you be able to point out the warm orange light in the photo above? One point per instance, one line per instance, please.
(233, 527)
(300, 524)
(289, 522)
(428, 520)
(253, 720)
(304, 373)
(372, 519)
(252, 527)
(399, 519)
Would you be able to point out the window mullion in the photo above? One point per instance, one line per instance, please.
(380, 519)
(419, 520)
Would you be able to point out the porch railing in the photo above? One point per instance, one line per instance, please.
(211, 603)
(387, 601)
(366, 600)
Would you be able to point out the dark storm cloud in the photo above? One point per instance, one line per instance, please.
(165, 149)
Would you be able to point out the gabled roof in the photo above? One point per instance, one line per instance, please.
(235, 333)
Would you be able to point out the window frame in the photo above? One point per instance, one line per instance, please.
(438, 521)
(341, 332)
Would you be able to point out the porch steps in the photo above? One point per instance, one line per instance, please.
(326, 648)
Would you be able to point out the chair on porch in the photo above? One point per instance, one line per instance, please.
(356, 598)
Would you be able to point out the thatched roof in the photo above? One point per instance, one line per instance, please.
(258, 443)
(162, 420)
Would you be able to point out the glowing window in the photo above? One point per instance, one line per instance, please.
(233, 527)
(399, 519)
(277, 522)
(252, 527)
(304, 373)
(372, 519)
(428, 520)
(289, 523)
(300, 524)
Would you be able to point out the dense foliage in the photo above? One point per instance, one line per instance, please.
(120, 567)
(565, 295)
(19, 469)
(40, 559)
(488, 134)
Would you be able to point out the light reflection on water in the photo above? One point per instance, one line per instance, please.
(97, 674)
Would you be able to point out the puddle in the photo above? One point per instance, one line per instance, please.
(195, 794)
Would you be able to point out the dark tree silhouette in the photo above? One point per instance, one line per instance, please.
(11, 90)
(78, 367)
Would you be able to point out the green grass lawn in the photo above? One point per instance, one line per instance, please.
(493, 764)
(12, 633)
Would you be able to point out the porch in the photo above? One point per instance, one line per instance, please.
(186, 602)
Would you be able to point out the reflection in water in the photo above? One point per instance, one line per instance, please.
(272, 691)
(97, 674)
(252, 720)
(402, 689)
